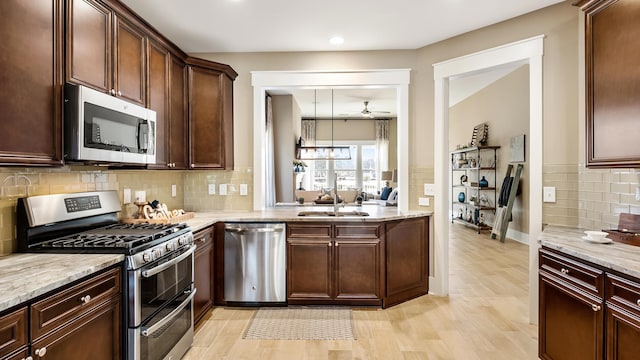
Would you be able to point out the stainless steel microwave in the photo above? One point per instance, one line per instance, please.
(100, 128)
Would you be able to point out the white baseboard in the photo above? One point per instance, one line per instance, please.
(518, 236)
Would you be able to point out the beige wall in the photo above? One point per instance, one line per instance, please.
(504, 105)
(286, 131)
(559, 24)
(345, 130)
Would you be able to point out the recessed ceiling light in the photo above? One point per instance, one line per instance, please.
(336, 40)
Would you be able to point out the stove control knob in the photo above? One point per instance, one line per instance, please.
(146, 257)
(170, 246)
(182, 240)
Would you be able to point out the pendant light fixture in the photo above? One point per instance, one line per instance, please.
(323, 152)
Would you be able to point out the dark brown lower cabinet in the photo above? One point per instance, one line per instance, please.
(203, 268)
(586, 312)
(571, 322)
(81, 322)
(334, 264)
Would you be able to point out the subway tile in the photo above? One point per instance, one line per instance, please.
(634, 210)
(611, 198)
(617, 209)
(628, 199)
(592, 177)
(621, 188)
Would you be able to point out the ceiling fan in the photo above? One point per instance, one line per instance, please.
(368, 113)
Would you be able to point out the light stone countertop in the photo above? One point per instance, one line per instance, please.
(616, 256)
(290, 214)
(24, 277)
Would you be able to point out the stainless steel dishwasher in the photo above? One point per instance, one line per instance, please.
(254, 263)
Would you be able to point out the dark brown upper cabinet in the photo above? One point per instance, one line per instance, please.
(612, 49)
(210, 114)
(105, 50)
(31, 69)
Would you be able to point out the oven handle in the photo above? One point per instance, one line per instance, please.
(168, 264)
(147, 331)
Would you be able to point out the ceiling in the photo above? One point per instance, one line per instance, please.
(302, 25)
(199, 26)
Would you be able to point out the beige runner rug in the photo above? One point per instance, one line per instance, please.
(301, 323)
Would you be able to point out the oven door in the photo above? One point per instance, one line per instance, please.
(154, 286)
(168, 334)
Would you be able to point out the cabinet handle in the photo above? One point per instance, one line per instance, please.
(638, 302)
(119, 93)
(193, 165)
(202, 239)
(112, 92)
(329, 244)
(564, 271)
(27, 358)
(336, 243)
(85, 299)
(41, 352)
(595, 307)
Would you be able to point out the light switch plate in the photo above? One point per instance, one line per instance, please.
(244, 190)
(423, 201)
(126, 194)
(212, 189)
(174, 190)
(429, 190)
(223, 189)
(549, 194)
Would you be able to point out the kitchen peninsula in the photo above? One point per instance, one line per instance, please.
(379, 259)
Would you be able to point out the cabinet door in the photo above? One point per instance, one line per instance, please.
(623, 334)
(612, 48)
(178, 128)
(129, 61)
(158, 98)
(13, 331)
(407, 257)
(571, 322)
(88, 52)
(357, 269)
(206, 125)
(94, 336)
(31, 49)
(309, 269)
(203, 274)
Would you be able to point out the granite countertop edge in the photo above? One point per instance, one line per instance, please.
(24, 277)
(205, 219)
(616, 256)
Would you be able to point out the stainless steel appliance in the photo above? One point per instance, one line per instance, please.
(99, 127)
(158, 318)
(254, 263)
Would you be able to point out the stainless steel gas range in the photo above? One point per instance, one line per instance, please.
(158, 316)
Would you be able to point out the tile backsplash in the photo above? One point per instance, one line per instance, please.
(20, 182)
(590, 198)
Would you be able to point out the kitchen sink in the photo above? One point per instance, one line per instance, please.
(331, 213)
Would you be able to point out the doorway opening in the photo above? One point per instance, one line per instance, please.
(526, 51)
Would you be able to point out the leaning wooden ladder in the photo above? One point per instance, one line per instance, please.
(503, 214)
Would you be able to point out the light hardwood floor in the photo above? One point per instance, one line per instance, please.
(484, 317)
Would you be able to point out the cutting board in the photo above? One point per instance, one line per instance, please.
(628, 231)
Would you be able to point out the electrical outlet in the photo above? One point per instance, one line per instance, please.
(429, 190)
(549, 194)
(223, 189)
(423, 201)
(174, 190)
(638, 193)
(212, 189)
(126, 196)
(141, 196)
(244, 191)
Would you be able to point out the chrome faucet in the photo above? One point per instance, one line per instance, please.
(336, 206)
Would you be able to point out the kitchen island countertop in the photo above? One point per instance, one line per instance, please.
(290, 214)
(24, 277)
(615, 256)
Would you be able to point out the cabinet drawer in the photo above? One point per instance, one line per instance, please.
(56, 310)
(585, 277)
(203, 237)
(624, 293)
(308, 230)
(13, 331)
(357, 231)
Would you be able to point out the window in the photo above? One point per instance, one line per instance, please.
(359, 173)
